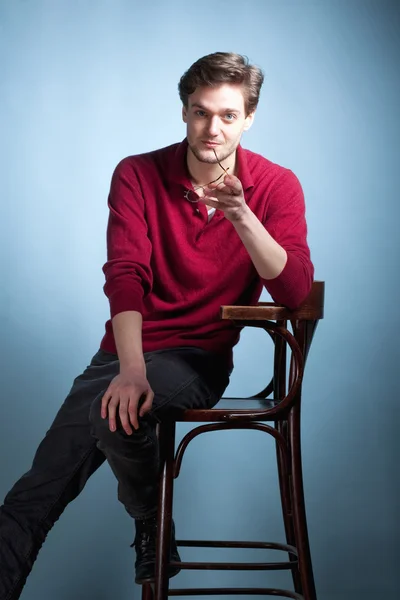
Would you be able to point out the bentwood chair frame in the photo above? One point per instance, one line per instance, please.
(283, 409)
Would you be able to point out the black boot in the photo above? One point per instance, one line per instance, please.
(145, 546)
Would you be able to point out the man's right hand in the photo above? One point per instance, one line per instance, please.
(123, 396)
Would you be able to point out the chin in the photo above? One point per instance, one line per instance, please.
(204, 154)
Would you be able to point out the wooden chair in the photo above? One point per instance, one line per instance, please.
(283, 409)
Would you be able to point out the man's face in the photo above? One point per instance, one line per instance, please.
(215, 118)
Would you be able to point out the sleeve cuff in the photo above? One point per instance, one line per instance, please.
(123, 300)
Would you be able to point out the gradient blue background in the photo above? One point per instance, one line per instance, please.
(86, 83)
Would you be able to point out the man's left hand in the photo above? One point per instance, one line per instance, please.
(227, 196)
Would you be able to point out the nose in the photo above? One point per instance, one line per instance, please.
(213, 126)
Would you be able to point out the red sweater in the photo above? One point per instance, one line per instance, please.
(165, 260)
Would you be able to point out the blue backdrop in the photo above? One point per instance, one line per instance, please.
(86, 83)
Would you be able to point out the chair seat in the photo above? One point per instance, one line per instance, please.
(228, 408)
(252, 403)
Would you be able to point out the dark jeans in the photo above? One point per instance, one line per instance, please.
(79, 440)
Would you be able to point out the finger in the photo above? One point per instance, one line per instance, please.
(124, 417)
(223, 202)
(147, 404)
(222, 189)
(229, 190)
(211, 186)
(210, 190)
(132, 412)
(233, 182)
(209, 201)
(112, 411)
(104, 403)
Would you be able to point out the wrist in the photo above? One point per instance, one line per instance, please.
(243, 216)
(133, 365)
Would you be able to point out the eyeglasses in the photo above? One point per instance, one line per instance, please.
(189, 192)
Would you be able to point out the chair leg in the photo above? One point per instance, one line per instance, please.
(286, 501)
(147, 592)
(167, 455)
(299, 510)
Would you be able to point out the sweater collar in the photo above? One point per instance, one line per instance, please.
(179, 172)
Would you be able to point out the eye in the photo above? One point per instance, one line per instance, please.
(200, 113)
(230, 116)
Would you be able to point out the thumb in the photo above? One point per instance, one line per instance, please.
(234, 184)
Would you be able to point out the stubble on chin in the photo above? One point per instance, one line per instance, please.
(208, 156)
(203, 155)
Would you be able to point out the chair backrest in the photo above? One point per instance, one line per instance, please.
(274, 319)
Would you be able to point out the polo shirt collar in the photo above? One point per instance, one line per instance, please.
(179, 172)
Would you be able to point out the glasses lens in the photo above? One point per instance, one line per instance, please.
(191, 196)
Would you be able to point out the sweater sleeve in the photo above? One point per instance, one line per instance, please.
(286, 223)
(127, 270)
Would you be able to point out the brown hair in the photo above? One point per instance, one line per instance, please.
(223, 67)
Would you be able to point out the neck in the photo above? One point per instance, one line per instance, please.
(202, 173)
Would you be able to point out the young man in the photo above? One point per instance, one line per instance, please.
(193, 226)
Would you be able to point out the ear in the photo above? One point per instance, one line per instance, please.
(184, 114)
(248, 122)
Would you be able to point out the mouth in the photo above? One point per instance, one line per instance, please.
(211, 144)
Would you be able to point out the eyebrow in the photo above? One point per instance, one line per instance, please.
(224, 110)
